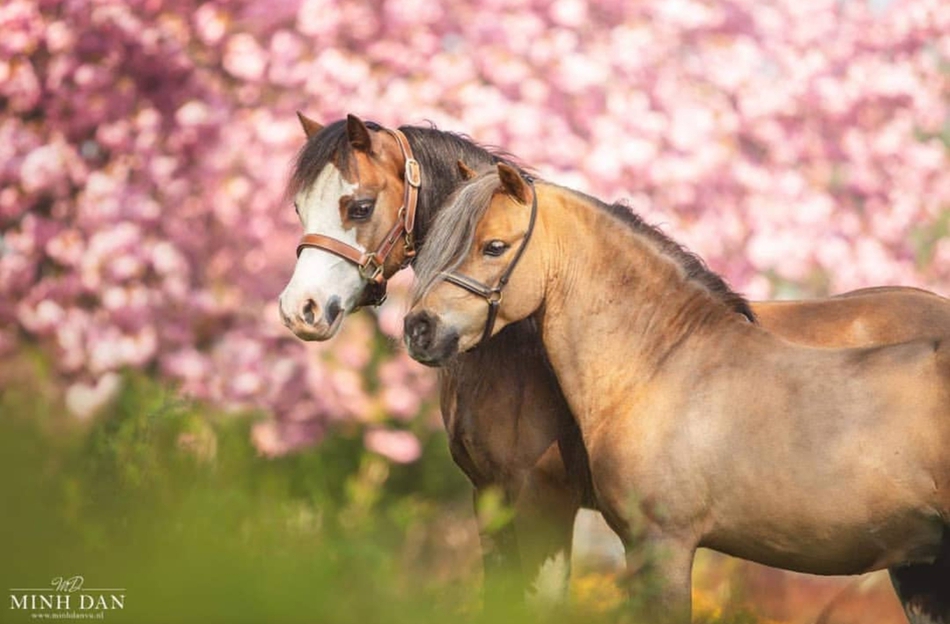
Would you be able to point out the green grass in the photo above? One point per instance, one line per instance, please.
(170, 501)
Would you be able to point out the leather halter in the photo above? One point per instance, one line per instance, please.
(493, 294)
(370, 264)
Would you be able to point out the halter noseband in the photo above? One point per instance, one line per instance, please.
(370, 264)
(493, 295)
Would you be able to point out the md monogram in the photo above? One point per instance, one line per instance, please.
(67, 594)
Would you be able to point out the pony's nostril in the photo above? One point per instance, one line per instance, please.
(334, 308)
(419, 330)
(307, 312)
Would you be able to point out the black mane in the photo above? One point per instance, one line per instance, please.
(436, 150)
(694, 266)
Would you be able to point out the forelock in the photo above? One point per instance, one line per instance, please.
(330, 145)
(453, 231)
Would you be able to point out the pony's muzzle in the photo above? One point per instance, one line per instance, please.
(333, 310)
(310, 321)
(428, 340)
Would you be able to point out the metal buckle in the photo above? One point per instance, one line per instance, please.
(413, 173)
(494, 297)
(377, 269)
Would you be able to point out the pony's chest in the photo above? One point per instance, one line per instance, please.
(495, 444)
(486, 444)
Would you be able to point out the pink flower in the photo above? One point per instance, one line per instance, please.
(41, 318)
(210, 23)
(193, 113)
(83, 400)
(41, 168)
(569, 13)
(67, 247)
(401, 402)
(399, 446)
(244, 58)
(186, 364)
(318, 18)
(267, 440)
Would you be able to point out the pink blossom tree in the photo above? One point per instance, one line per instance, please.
(799, 146)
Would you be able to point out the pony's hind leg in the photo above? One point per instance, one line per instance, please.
(924, 590)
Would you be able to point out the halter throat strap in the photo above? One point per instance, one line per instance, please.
(493, 294)
(371, 264)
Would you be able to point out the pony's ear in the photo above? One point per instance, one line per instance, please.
(467, 172)
(310, 127)
(358, 134)
(513, 184)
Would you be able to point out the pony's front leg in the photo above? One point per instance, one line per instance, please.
(659, 549)
(503, 582)
(544, 520)
(659, 578)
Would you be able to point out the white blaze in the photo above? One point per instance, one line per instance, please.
(319, 274)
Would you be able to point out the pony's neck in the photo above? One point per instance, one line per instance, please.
(438, 153)
(612, 296)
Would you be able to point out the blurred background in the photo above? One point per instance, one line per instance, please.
(160, 430)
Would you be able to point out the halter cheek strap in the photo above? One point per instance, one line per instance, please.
(370, 264)
(493, 294)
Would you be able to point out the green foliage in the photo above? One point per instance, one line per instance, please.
(493, 514)
(173, 504)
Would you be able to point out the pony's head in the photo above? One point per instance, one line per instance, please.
(352, 187)
(478, 272)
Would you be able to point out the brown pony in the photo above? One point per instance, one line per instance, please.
(508, 425)
(702, 429)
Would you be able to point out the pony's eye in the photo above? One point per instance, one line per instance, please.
(297, 209)
(495, 248)
(361, 210)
